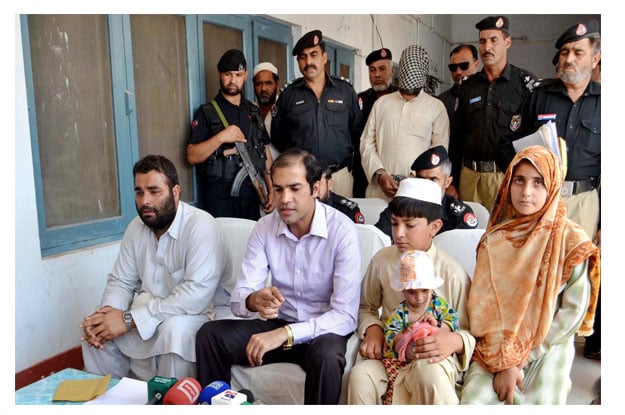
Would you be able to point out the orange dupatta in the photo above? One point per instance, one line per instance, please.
(522, 263)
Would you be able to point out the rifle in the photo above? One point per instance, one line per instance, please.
(248, 169)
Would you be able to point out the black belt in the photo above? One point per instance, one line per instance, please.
(481, 166)
(574, 187)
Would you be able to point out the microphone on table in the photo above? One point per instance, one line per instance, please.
(157, 388)
(230, 397)
(212, 389)
(219, 392)
(184, 392)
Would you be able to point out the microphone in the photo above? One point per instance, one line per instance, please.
(184, 392)
(157, 388)
(212, 389)
(230, 397)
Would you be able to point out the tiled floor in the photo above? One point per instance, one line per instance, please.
(584, 374)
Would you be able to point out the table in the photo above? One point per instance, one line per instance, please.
(42, 391)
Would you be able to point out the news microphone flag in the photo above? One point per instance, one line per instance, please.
(212, 389)
(230, 397)
(185, 392)
(157, 388)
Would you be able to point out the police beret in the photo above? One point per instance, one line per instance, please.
(309, 40)
(430, 158)
(493, 22)
(232, 60)
(377, 55)
(579, 31)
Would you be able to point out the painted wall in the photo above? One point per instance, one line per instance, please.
(53, 294)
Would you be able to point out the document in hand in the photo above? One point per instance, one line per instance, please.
(546, 136)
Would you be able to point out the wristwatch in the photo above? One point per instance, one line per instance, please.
(377, 174)
(128, 320)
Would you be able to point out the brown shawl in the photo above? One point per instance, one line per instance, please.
(522, 263)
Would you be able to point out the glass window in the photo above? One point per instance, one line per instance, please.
(161, 91)
(71, 78)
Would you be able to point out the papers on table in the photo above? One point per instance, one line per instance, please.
(126, 392)
(546, 136)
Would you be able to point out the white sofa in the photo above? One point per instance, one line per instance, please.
(283, 383)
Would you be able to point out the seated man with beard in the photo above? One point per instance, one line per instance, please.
(162, 287)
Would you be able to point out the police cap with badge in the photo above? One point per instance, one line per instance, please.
(493, 23)
(430, 158)
(579, 31)
(309, 40)
(232, 60)
(377, 55)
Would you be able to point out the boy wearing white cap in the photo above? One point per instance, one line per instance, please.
(421, 313)
(437, 360)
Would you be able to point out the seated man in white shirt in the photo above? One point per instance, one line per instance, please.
(161, 290)
(311, 308)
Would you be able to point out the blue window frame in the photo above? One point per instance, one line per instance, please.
(79, 233)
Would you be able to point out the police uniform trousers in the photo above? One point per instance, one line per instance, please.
(217, 201)
(222, 344)
(343, 183)
(479, 187)
(583, 208)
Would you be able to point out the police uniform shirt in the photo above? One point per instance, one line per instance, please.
(449, 98)
(578, 123)
(326, 128)
(348, 207)
(367, 98)
(455, 215)
(489, 110)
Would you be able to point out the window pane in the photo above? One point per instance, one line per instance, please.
(274, 52)
(73, 101)
(161, 91)
(217, 40)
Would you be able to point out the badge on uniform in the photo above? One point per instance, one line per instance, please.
(274, 110)
(470, 219)
(360, 103)
(359, 217)
(474, 100)
(194, 124)
(299, 102)
(515, 122)
(546, 117)
(335, 101)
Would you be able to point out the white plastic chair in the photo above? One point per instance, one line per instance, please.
(283, 383)
(371, 207)
(461, 245)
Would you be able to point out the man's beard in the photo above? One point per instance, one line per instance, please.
(231, 92)
(382, 87)
(267, 100)
(573, 77)
(163, 215)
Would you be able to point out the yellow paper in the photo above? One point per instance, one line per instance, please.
(81, 390)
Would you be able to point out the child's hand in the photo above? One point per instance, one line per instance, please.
(429, 318)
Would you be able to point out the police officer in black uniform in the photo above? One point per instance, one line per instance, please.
(380, 63)
(338, 202)
(211, 145)
(318, 113)
(489, 107)
(434, 164)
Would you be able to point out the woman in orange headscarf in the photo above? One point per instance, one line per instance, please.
(535, 285)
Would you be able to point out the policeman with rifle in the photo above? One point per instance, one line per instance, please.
(229, 146)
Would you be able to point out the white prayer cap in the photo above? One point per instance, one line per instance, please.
(266, 66)
(420, 189)
(416, 271)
